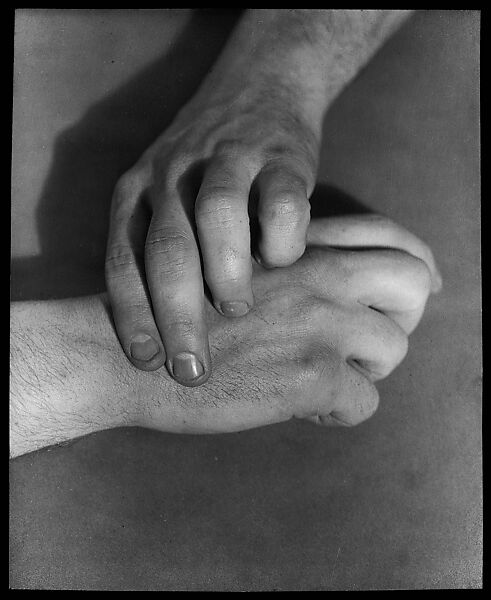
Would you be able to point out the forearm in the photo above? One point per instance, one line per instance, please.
(68, 376)
(316, 51)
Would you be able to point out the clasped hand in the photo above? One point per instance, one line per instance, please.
(320, 334)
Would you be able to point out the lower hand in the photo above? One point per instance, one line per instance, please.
(321, 333)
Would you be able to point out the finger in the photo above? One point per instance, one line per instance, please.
(176, 287)
(350, 399)
(224, 235)
(394, 283)
(372, 231)
(125, 279)
(390, 281)
(364, 338)
(283, 214)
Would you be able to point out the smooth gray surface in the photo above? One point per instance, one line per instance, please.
(393, 503)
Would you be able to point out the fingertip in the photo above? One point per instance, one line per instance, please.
(234, 298)
(272, 254)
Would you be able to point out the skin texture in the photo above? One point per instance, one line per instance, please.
(320, 334)
(241, 156)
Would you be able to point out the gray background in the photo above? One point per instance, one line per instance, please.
(393, 503)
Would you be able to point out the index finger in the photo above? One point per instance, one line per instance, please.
(175, 281)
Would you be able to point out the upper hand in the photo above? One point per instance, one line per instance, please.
(187, 199)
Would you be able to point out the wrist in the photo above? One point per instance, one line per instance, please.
(312, 53)
(257, 90)
(274, 55)
(130, 394)
(132, 397)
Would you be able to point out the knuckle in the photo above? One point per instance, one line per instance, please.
(230, 148)
(288, 160)
(280, 151)
(182, 327)
(168, 241)
(295, 158)
(317, 310)
(171, 248)
(285, 211)
(119, 260)
(169, 168)
(217, 207)
(321, 363)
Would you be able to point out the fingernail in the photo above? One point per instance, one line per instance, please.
(143, 347)
(234, 309)
(186, 366)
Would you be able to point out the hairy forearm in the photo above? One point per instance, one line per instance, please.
(316, 51)
(68, 376)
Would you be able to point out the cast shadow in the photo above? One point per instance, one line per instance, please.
(90, 156)
(73, 212)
